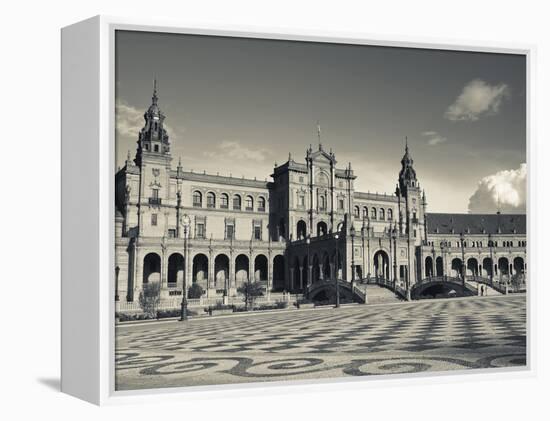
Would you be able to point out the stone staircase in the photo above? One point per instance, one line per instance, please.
(487, 288)
(377, 294)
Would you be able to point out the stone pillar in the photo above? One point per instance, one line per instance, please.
(251, 274)
(291, 283)
(321, 274)
(188, 271)
(231, 283)
(301, 278)
(211, 286)
(269, 276)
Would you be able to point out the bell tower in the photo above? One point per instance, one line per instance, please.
(154, 160)
(153, 139)
(409, 190)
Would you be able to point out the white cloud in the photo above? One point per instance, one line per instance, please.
(434, 138)
(129, 122)
(478, 98)
(505, 190)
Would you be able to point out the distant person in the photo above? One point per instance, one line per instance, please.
(482, 290)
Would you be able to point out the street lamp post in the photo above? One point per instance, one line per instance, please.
(186, 222)
(336, 273)
(308, 280)
(491, 257)
(433, 262)
(394, 239)
(462, 267)
(352, 235)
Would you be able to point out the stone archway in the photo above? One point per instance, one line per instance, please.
(221, 271)
(241, 269)
(151, 268)
(200, 268)
(322, 228)
(429, 267)
(301, 230)
(260, 268)
(176, 268)
(381, 264)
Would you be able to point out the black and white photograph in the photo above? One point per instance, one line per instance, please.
(292, 210)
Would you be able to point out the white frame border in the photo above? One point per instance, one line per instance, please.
(107, 395)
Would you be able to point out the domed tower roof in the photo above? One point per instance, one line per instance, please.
(154, 110)
(407, 175)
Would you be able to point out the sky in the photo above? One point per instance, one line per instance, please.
(238, 106)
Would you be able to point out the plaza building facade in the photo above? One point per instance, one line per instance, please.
(307, 225)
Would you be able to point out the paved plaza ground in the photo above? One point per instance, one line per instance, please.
(420, 336)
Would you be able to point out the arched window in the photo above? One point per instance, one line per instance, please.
(197, 199)
(356, 211)
(382, 214)
(373, 213)
(390, 214)
(322, 203)
(261, 204)
(365, 212)
(210, 200)
(237, 202)
(224, 201)
(249, 203)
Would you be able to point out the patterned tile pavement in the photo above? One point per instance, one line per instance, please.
(431, 335)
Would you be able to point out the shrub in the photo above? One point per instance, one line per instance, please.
(251, 290)
(195, 291)
(149, 298)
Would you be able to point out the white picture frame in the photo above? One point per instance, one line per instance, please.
(88, 159)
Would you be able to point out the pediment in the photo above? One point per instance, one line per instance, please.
(322, 157)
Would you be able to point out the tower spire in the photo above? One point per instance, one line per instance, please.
(155, 97)
(319, 135)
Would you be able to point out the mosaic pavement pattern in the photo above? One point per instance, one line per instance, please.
(421, 336)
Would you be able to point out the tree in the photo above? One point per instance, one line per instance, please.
(195, 291)
(251, 290)
(149, 298)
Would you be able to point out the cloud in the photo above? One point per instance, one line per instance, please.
(478, 98)
(235, 151)
(434, 138)
(505, 190)
(129, 122)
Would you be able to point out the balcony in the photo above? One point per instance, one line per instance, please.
(249, 208)
(155, 201)
(197, 204)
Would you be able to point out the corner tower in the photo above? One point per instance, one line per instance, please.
(412, 200)
(154, 160)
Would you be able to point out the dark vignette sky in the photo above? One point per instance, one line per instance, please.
(236, 105)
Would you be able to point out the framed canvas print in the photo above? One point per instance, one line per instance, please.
(247, 208)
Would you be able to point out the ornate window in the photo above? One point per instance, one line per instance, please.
(340, 204)
(197, 199)
(237, 202)
(154, 219)
(322, 203)
(382, 214)
(365, 212)
(373, 213)
(229, 229)
(249, 203)
(210, 200)
(390, 214)
(224, 201)
(356, 212)
(261, 204)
